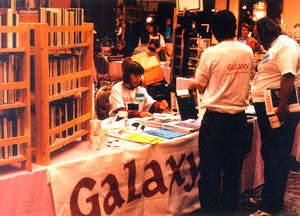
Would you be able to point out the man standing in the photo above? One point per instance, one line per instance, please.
(223, 78)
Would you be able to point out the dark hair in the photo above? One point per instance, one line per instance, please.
(223, 25)
(246, 25)
(145, 38)
(268, 31)
(130, 67)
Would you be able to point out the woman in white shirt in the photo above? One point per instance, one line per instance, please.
(129, 95)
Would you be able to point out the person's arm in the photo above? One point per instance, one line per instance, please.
(197, 86)
(159, 106)
(133, 113)
(286, 87)
(287, 62)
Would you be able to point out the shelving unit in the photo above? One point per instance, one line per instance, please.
(178, 47)
(195, 48)
(15, 133)
(128, 14)
(62, 87)
(188, 46)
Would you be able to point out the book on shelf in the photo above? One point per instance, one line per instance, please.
(10, 126)
(9, 73)
(272, 99)
(29, 15)
(3, 22)
(9, 17)
(61, 112)
(62, 17)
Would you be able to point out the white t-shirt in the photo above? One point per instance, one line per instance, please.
(224, 71)
(121, 97)
(140, 48)
(158, 36)
(283, 57)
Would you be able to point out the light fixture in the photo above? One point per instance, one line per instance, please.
(149, 19)
(259, 10)
(244, 7)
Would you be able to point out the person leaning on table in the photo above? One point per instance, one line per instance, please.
(280, 68)
(223, 76)
(129, 95)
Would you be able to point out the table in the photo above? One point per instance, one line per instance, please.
(133, 179)
(132, 167)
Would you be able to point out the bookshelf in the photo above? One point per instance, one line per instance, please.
(189, 41)
(194, 50)
(15, 125)
(178, 46)
(62, 90)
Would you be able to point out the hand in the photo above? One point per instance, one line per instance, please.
(163, 105)
(145, 114)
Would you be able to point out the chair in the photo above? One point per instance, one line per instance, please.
(102, 105)
(102, 68)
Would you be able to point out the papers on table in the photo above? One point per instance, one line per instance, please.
(164, 133)
(143, 138)
(186, 126)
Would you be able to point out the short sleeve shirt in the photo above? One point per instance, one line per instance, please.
(121, 97)
(224, 72)
(283, 57)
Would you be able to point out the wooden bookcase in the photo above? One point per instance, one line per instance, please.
(15, 133)
(62, 87)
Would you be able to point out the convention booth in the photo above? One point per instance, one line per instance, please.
(121, 178)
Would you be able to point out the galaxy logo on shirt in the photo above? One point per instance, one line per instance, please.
(237, 68)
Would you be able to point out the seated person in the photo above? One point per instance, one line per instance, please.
(119, 49)
(128, 95)
(143, 47)
(102, 106)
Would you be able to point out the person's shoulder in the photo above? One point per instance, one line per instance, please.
(243, 47)
(286, 40)
(117, 86)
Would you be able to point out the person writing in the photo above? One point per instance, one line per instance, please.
(222, 77)
(279, 69)
(129, 95)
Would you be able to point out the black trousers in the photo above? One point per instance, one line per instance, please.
(223, 140)
(276, 148)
